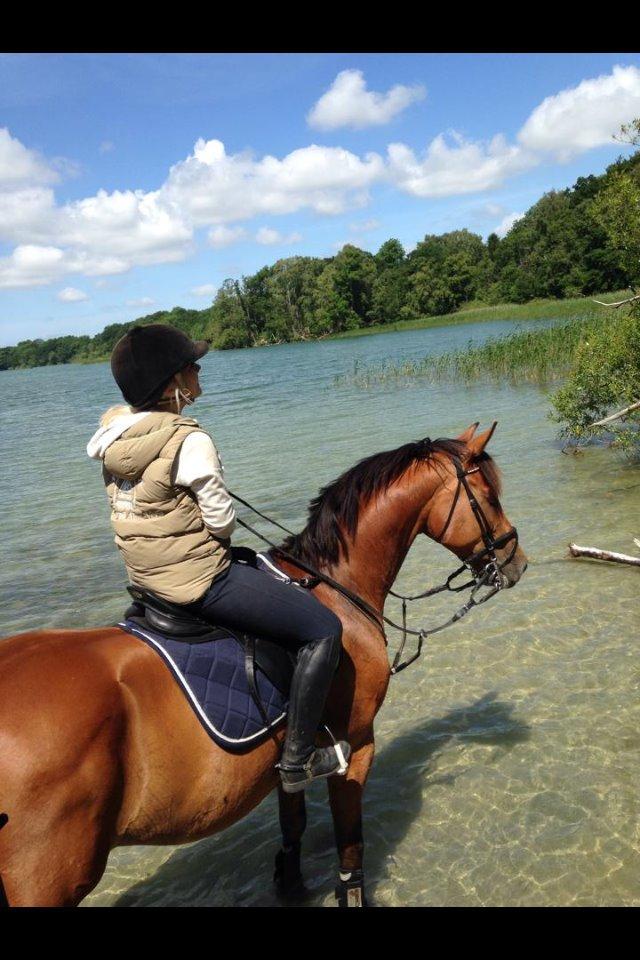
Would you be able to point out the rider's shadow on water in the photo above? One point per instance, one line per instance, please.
(235, 867)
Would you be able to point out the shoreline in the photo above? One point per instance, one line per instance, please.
(569, 308)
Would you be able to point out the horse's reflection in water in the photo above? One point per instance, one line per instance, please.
(233, 869)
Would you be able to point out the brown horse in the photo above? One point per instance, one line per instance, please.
(100, 748)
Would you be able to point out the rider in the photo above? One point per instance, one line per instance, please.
(173, 518)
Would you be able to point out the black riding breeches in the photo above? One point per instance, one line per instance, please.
(252, 601)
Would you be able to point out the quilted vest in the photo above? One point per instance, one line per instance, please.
(158, 526)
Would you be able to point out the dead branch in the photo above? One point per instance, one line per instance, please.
(596, 554)
(619, 303)
(617, 415)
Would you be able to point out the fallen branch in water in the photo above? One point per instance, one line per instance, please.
(596, 554)
(617, 415)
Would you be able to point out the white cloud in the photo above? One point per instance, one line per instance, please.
(206, 290)
(224, 236)
(108, 233)
(583, 117)
(26, 213)
(506, 223)
(141, 302)
(269, 237)
(107, 146)
(213, 187)
(464, 167)
(491, 210)
(348, 103)
(19, 165)
(364, 226)
(30, 265)
(66, 167)
(72, 295)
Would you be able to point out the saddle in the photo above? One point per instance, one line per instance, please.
(175, 624)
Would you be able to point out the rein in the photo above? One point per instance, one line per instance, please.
(490, 576)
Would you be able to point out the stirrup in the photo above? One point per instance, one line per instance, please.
(323, 762)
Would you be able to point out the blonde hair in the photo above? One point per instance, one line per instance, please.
(113, 412)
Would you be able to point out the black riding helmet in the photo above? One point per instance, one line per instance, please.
(146, 358)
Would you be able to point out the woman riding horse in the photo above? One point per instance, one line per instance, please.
(173, 519)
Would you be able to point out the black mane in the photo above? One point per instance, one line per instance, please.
(334, 513)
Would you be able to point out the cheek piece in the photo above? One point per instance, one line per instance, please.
(491, 572)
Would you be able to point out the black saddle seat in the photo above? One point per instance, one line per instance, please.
(177, 623)
(170, 618)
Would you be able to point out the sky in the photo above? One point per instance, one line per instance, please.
(131, 183)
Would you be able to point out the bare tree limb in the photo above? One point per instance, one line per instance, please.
(617, 415)
(618, 303)
(595, 554)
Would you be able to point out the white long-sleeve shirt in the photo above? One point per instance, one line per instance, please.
(197, 466)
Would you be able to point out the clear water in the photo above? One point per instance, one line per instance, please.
(508, 761)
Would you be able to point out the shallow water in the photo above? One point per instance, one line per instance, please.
(508, 759)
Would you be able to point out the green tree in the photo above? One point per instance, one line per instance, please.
(344, 291)
(445, 271)
(390, 255)
(617, 210)
(229, 328)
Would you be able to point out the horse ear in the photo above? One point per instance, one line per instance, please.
(467, 434)
(477, 444)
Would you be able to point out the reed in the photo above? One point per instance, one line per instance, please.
(539, 356)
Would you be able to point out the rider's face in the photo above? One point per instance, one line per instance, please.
(190, 379)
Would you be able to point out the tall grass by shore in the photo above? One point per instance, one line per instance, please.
(539, 356)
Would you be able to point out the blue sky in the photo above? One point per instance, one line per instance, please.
(131, 183)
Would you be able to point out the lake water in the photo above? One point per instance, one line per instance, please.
(508, 758)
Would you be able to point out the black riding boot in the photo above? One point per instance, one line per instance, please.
(301, 761)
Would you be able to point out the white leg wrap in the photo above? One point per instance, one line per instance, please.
(341, 759)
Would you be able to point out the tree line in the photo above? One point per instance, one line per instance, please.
(562, 247)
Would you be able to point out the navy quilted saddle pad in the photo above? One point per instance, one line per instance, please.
(213, 678)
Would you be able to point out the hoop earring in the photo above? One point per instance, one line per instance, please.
(180, 394)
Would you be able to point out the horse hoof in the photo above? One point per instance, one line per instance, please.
(350, 890)
(287, 876)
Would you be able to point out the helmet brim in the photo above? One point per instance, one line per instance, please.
(201, 347)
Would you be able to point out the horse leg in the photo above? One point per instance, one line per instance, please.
(345, 796)
(293, 821)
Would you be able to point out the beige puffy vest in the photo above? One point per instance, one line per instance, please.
(158, 526)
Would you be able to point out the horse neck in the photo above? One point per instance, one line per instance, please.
(387, 527)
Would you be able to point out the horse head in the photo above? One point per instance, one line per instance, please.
(464, 512)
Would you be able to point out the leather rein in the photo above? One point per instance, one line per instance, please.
(490, 576)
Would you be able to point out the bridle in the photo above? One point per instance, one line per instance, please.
(490, 575)
(491, 543)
